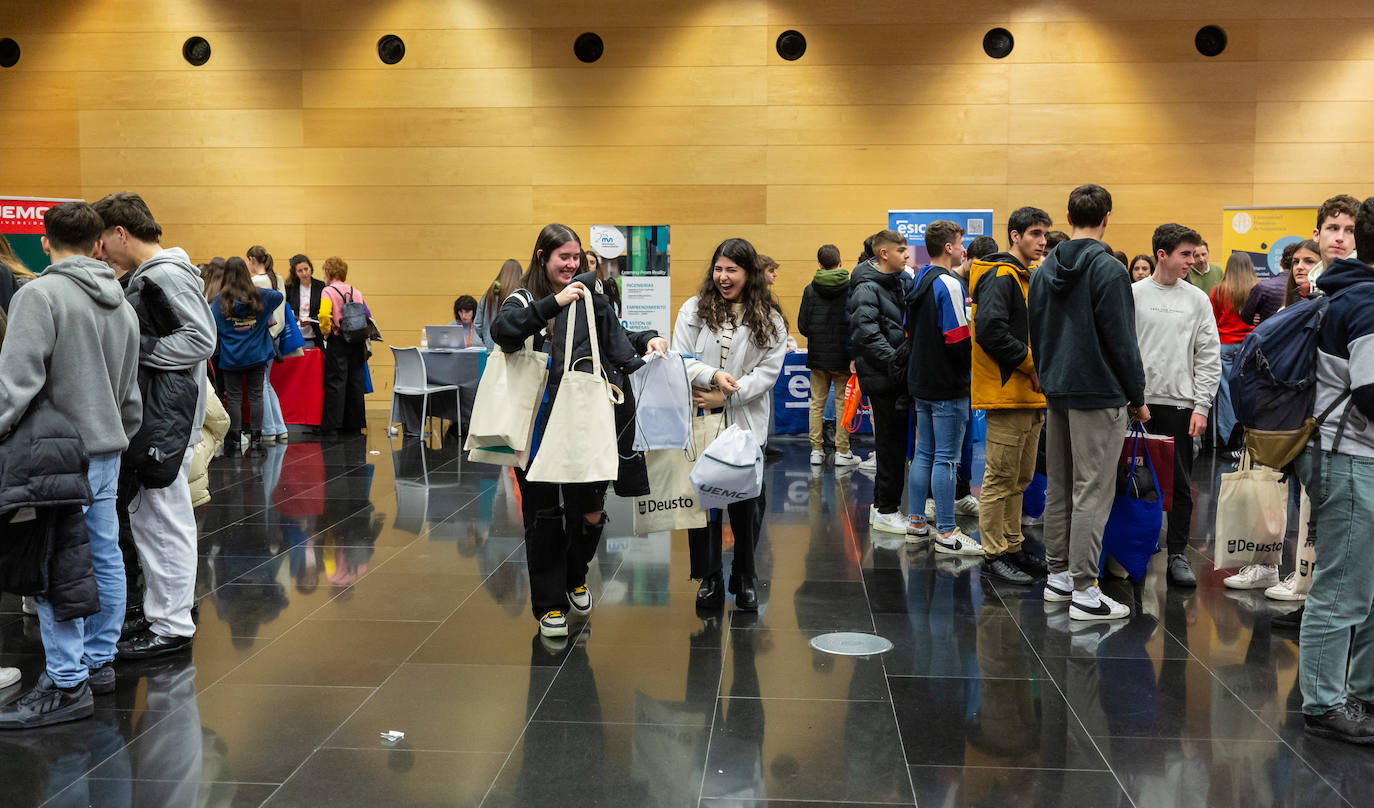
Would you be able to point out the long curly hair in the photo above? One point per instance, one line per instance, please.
(756, 298)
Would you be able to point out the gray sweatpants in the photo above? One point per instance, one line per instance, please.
(1082, 450)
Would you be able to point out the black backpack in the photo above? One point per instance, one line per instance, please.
(1274, 382)
(352, 320)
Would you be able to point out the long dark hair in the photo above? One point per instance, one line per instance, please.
(238, 288)
(506, 281)
(756, 298)
(213, 275)
(298, 258)
(1236, 284)
(536, 277)
(1290, 295)
(260, 254)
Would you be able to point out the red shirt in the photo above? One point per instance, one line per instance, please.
(1230, 327)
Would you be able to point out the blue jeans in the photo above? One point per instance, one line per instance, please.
(940, 427)
(75, 647)
(1222, 410)
(272, 423)
(1342, 594)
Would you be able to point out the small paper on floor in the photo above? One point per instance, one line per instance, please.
(392, 737)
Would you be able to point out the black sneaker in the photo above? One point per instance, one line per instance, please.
(1002, 569)
(1180, 571)
(48, 704)
(102, 680)
(1343, 723)
(1028, 563)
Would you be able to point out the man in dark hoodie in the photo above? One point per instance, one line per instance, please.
(877, 341)
(1006, 386)
(75, 341)
(822, 321)
(162, 519)
(1338, 699)
(1082, 334)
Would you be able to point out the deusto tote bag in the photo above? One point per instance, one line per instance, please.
(1252, 515)
(730, 470)
(579, 443)
(663, 404)
(672, 501)
(507, 401)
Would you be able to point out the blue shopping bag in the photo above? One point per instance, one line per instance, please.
(1033, 501)
(1132, 532)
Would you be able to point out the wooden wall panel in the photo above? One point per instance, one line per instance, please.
(426, 174)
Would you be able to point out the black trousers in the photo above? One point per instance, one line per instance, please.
(1172, 422)
(559, 543)
(343, 386)
(241, 384)
(705, 543)
(891, 425)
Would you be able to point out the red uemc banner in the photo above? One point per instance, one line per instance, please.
(24, 214)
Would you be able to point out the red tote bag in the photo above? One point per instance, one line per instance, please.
(1161, 451)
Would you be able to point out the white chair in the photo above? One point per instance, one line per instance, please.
(410, 379)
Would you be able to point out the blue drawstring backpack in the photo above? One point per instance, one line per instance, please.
(1132, 532)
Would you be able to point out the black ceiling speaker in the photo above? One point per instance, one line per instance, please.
(588, 47)
(196, 51)
(791, 45)
(391, 49)
(9, 52)
(1210, 40)
(998, 42)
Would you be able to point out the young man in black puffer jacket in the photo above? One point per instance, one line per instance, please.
(822, 321)
(878, 343)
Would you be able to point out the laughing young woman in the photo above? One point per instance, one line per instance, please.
(735, 331)
(563, 521)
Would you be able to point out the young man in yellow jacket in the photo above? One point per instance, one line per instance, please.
(1005, 385)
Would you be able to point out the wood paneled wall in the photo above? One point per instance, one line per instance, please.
(427, 174)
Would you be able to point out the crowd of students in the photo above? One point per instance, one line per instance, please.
(1057, 339)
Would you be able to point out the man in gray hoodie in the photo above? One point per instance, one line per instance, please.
(74, 338)
(162, 519)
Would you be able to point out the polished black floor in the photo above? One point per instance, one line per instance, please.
(365, 586)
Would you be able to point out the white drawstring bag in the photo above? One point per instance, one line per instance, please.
(663, 403)
(579, 443)
(507, 403)
(730, 470)
(1252, 516)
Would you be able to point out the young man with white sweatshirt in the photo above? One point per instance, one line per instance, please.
(1182, 355)
(162, 519)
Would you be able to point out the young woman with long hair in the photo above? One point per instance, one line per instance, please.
(1228, 300)
(736, 334)
(1141, 267)
(507, 280)
(1306, 258)
(260, 266)
(243, 315)
(563, 522)
(304, 293)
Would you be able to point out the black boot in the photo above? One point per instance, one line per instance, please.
(255, 443)
(743, 579)
(704, 550)
(232, 443)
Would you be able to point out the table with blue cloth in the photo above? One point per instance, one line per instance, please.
(463, 368)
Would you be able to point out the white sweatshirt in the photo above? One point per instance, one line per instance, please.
(1178, 344)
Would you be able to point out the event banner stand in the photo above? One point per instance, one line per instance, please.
(21, 222)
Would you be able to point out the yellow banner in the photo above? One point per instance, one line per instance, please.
(1263, 233)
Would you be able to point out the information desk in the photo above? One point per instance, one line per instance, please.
(299, 382)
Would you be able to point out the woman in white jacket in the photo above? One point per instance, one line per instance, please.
(734, 335)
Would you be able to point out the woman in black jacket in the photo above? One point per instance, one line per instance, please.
(307, 314)
(563, 522)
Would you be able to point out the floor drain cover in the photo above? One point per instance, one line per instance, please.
(851, 643)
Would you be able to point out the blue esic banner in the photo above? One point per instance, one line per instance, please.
(912, 224)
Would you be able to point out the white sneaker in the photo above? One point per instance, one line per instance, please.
(916, 528)
(28, 605)
(817, 457)
(957, 543)
(955, 564)
(1254, 576)
(9, 676)
(893, 522)
(845, 459)
(1283, 590)
(1058, 587)
(1091, 604)
(966, 506)
(581, 599)
(553, 624)
(869, 463)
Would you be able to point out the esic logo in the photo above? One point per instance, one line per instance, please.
(647, 506)
(1244, 546)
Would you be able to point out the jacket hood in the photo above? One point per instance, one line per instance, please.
(914, 292)
(95, 278)
(867, 272)
(1344, 272)
(989, 265)
(171, 257)
(831, 283)
(1072, 259)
